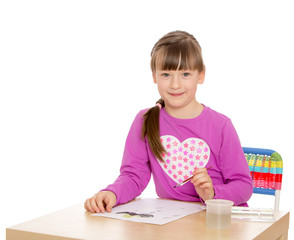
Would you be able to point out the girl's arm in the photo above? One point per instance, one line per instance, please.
(135, 170)
(237, 185)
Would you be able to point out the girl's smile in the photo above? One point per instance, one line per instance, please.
(176, 94)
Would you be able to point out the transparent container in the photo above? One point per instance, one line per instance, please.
(218, 213)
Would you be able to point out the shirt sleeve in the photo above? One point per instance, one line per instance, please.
(237, 185)
(135, 169)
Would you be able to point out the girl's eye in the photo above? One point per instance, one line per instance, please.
(165, 75)
(186, 74)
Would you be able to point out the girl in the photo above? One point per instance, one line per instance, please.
(178, 138)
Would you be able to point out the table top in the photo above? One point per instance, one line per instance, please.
(75, 223)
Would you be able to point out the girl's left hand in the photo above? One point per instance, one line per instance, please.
(203, 184)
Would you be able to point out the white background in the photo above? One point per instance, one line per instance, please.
(73, 75)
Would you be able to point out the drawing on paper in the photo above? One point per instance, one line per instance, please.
(133, 214)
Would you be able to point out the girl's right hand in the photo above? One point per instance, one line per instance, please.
(101, 201)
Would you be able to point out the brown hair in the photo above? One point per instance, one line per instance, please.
(176, 50)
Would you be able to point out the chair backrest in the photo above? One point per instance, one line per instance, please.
(266, 169)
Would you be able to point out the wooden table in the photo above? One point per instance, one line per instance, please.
(75, 223)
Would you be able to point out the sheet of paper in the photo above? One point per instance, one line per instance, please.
(154, 211)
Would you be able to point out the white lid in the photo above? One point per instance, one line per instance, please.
(219, 206)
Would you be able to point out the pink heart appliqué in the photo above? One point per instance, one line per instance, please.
(183, 158)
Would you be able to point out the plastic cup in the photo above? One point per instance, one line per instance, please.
(218, 213)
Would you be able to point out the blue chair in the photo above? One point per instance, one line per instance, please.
(266, 169)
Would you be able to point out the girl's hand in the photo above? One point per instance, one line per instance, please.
(203, 184)
(101, 201)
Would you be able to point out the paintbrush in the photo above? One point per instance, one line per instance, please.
(188, 179)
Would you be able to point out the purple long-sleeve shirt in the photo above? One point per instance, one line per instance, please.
(209, 140)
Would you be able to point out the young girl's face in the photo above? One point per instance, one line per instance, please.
(178, 88)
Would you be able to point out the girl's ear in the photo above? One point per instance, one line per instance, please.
(154, 78)
(201, 76)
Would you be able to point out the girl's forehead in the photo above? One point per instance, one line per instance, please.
(175, 64)
(177, 57)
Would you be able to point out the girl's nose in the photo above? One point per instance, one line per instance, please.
(175, 82)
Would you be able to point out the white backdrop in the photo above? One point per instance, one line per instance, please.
(73, 75)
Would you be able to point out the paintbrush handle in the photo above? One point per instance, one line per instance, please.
(188, 179)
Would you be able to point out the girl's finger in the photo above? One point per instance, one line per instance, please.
(199, 176)
(109, 205)
(87, 206)
(100, 204)
(200, 170)
(200, 181)
(206, 185)
(94, 204)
